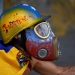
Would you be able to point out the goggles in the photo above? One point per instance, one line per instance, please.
(42, 29)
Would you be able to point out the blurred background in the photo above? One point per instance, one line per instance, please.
(62, 23)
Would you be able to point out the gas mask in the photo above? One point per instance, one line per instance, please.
(41, 42)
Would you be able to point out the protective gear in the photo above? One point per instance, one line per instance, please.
(41, 44)
(47, 48)
(18, 18)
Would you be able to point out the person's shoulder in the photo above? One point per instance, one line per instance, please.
(5, 47)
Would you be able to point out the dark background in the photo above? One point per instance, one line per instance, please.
(62, 23)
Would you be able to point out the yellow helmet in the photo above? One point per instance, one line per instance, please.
(16, 19)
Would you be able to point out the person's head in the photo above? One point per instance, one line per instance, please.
(21, 25)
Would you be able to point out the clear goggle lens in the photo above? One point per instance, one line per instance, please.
(42, 29)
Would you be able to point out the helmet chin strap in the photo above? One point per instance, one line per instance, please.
(23, 40)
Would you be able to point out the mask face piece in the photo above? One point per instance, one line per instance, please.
(42, 48)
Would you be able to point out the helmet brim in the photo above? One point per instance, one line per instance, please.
(44, 18)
